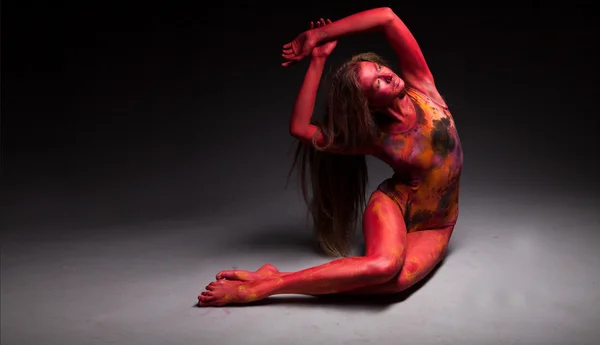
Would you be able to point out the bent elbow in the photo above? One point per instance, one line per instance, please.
(297, 132)
(294, 133)
(388, 14)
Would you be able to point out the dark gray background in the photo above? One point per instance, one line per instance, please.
(146, 148)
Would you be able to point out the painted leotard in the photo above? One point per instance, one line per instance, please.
(427, 163)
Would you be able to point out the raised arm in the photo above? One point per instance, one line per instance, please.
(413, 67)
(300, 126)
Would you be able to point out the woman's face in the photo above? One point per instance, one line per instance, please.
(380, 84)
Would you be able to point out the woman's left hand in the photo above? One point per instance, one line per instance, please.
(305, 44)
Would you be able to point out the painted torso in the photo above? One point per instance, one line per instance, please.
(427, 162)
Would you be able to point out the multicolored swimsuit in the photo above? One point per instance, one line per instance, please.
(427, 162)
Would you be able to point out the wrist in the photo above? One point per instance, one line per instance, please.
(318, 35)
(318, 59)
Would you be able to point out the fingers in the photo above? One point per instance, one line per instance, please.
(289, 56)
(320, 22)
(288, 53)
(289, 62)
(288, 49)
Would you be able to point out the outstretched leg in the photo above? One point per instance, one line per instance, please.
(385, 241)
(424, 250)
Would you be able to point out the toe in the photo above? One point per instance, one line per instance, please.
(232, 275)
(203, 303)
(224, 274)
(205, 299)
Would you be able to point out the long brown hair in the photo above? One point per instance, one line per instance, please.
(339, 180)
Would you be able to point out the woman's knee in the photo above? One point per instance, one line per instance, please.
(386, 268)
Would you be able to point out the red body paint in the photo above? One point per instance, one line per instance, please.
(409, 219)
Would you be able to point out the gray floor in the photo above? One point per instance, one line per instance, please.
(523, 269)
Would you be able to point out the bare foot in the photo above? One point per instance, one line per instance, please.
(223, 292)
(241, 275)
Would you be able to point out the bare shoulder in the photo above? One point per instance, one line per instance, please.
(412, 63)
(428, 88)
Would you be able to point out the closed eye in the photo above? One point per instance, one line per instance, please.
(378, 68)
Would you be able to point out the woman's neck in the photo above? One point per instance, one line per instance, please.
(403, 111)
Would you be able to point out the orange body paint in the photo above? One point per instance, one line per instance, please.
(408, 220)
(427, 161)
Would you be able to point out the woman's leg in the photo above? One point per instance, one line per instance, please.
(424, 250)
(385, 241)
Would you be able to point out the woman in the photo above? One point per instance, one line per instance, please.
(403, 121)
